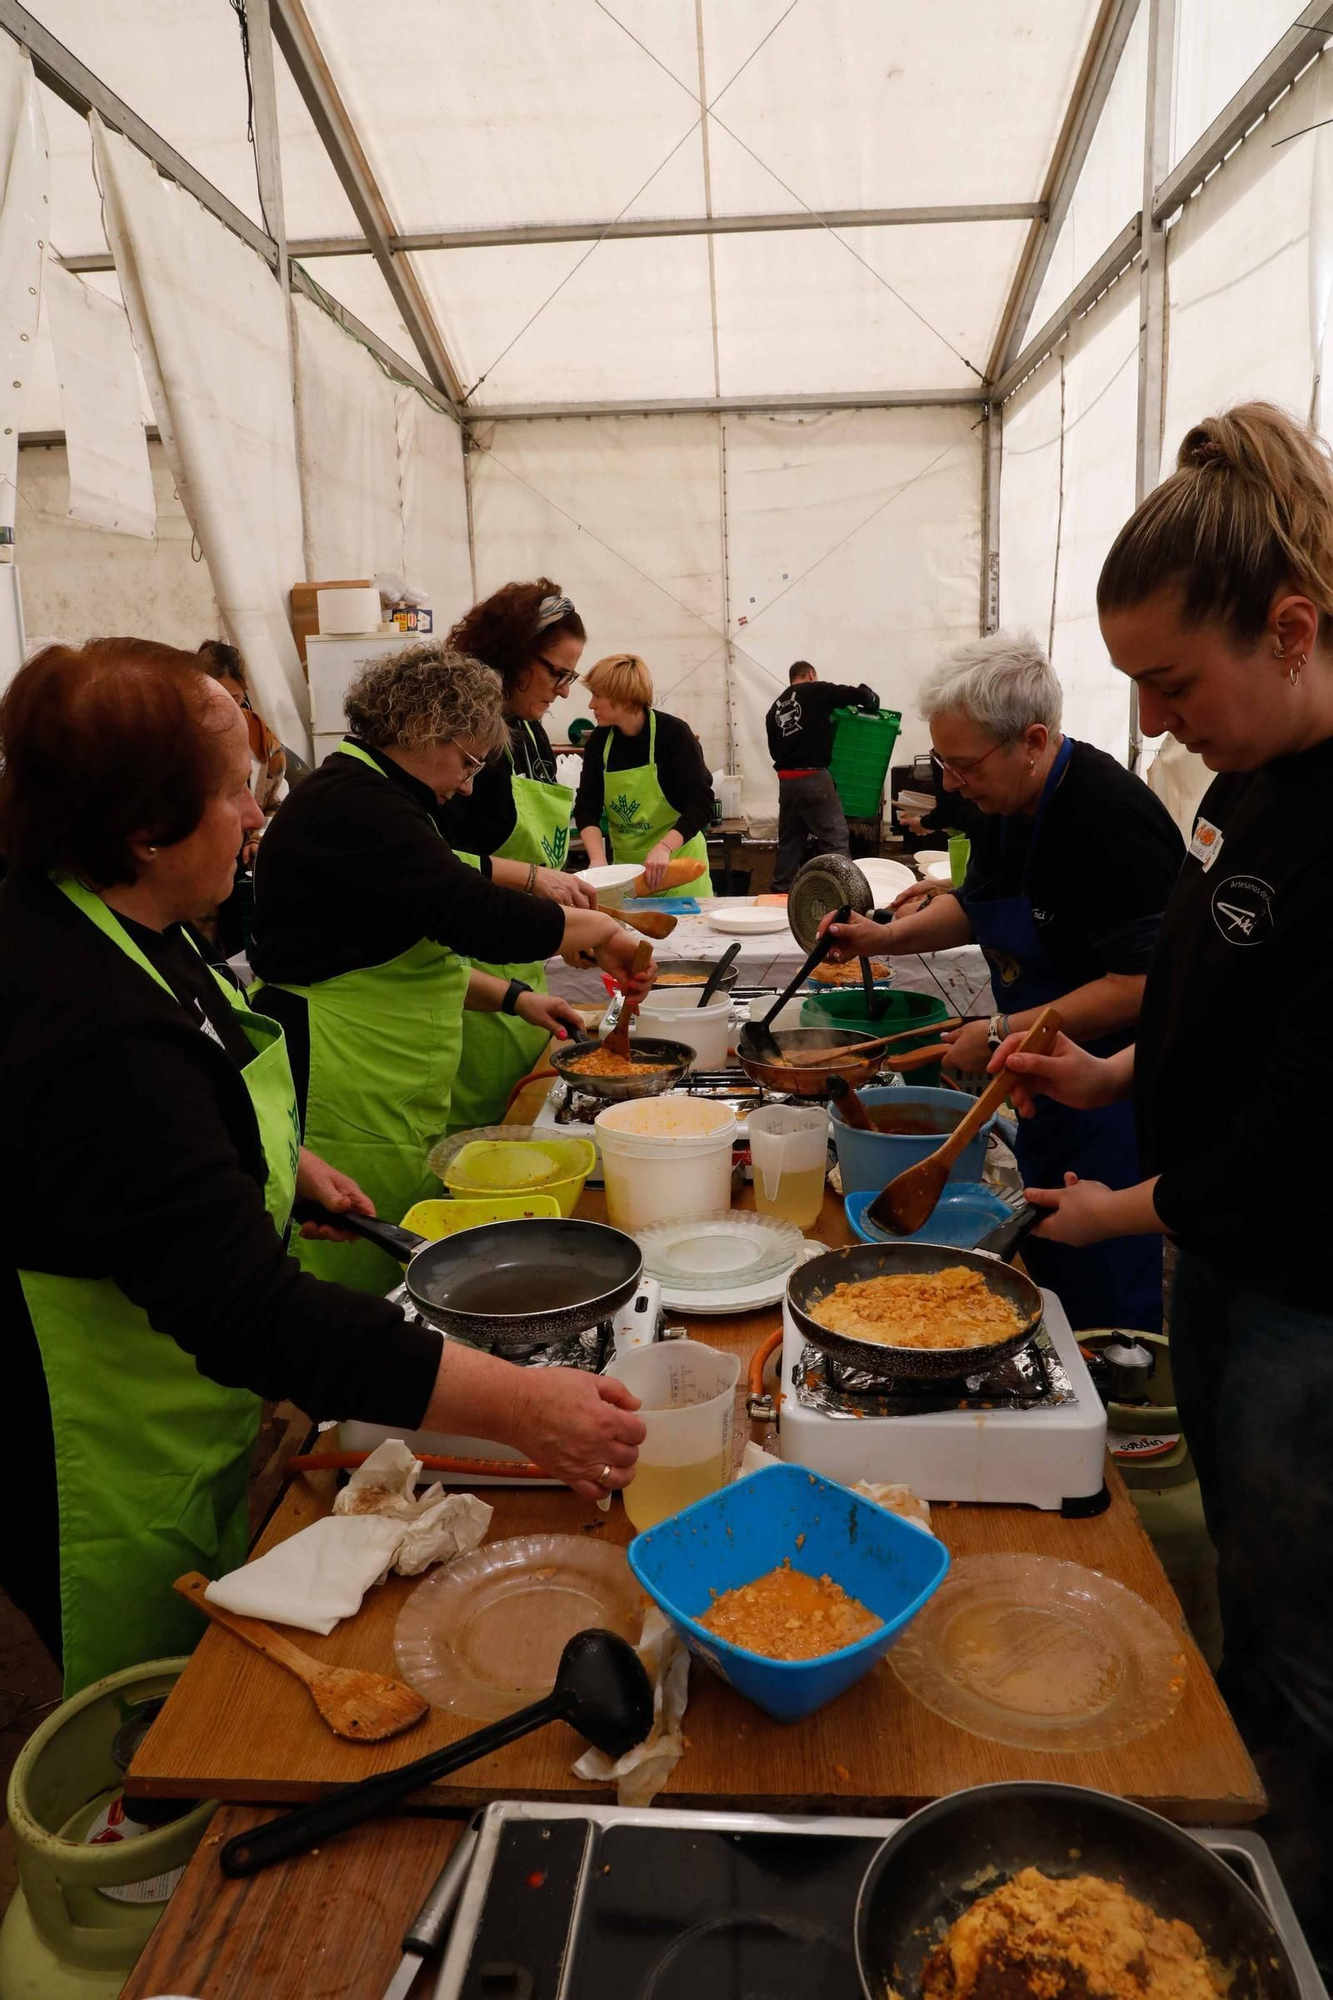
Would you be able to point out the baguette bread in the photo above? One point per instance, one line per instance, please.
(678, 873)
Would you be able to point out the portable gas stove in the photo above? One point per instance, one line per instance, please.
(637, 1324)
(1032, 1433)
(568, 1109)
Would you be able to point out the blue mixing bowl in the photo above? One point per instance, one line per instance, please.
(744, 1530)
(964, 1213)
(873, 1159)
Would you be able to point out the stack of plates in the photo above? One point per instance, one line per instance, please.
(729, 1264)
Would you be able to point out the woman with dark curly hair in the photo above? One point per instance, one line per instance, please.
(517, 812)
(150, 1152)
(366, 922)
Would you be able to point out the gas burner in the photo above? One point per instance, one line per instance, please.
(1033, 1378)
(589, 1350)
(719, 1086)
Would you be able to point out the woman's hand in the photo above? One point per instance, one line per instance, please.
(655, 864)
(857, 938)
(969, 1047)
(1081, 1212)
(317, 1181)
(580, 1428)
(543, 1010)
(615, 955)
(1068, 1074)
(558, 887)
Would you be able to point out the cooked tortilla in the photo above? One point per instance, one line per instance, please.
(950, 1308)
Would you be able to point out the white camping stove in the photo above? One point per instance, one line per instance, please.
(1032, 1433)
(637, 1324)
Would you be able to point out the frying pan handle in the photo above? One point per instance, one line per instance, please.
(1006, 1237)
(400, 1243)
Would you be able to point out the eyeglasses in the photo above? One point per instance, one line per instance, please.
(564, 677)
(471, 764)
(964, 771)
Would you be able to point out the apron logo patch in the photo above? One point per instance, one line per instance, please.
(624, 810)
(1005, 968)
(557, 847)
(1243, 909)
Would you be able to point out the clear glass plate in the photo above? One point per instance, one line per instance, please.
(483, 1634)
(718, 1255)
(1041, 1655)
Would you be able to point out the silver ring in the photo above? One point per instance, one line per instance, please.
(604, 1475)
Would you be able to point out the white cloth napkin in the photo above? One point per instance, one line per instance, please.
(320, 1575)
(896, 1498)
(641, 1773)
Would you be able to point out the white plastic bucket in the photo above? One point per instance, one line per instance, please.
(676, 1016)
(789, 1149)
(687, 1394)
(665, 1159)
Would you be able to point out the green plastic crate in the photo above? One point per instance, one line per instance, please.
(862, 747)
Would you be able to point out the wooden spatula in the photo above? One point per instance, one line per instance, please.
(649, 923)
(617, 1042)
(354, 1702)
(821, 1058)
(908, 1202)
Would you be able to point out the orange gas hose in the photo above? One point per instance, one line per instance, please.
(759, 1361)
(471, 1468)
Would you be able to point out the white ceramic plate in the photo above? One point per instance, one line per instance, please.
(931, 857)
(611, 882)
(887, 879)
(747, 919)
(769, 1292)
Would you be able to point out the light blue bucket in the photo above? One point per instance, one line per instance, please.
(872, 1159)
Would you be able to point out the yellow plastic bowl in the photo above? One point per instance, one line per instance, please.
(434, 1219)
(557, 1166)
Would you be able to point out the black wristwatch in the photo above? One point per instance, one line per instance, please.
(509, 1005)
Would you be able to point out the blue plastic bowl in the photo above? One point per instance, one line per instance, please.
(872, 1159)
(744, 1530)
(964, 1213)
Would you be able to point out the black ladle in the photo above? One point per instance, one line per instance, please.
(759, 1035)
(600, 1689)
(719, 972)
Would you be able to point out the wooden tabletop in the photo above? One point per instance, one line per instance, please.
(238, 1729)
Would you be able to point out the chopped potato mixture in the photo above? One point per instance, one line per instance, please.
(952, 1308)
(787, 1615)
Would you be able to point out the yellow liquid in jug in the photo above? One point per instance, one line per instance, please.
(799, 1197)
(658, 1490)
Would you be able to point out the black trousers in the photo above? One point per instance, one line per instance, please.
(810, 821)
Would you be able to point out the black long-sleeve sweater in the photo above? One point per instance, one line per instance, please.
(686, 781)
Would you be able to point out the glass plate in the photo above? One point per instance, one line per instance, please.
(719, 1254)
(483, 1634)
(1041, 1655)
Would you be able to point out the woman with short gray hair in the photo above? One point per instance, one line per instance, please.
(1071, 867)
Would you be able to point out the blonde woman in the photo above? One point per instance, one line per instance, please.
(644, 777)
(366, 922)
(1216, 600)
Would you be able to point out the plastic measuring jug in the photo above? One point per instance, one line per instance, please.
(687, 1393)
(789, 1148)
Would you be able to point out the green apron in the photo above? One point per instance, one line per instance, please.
(384, 1047)
(152, 1458)
(640, 814)
(498, 1049)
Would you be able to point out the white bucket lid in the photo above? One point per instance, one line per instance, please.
(665, 1121)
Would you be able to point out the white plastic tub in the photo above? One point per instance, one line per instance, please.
(676, 1016)
(665, 1159)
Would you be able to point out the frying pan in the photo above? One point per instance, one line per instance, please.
(808, 1082)
(961, 1847)
(698, 969)
(812, 1282)
(636, 1083)
(508, 1285)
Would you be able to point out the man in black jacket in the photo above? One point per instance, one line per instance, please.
(800, 742)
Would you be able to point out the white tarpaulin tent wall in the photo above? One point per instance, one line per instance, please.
(770, 329)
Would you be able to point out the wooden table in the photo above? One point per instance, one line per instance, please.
(730, 832)
(329, 1925)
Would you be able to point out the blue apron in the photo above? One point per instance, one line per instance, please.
(1102, 1284)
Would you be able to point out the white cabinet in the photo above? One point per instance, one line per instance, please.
(331, 663)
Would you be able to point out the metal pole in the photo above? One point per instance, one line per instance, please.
(1152, 281)
(992, 434)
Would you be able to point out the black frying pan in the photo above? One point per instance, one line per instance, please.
(946, 1856)
(509, 1285)
(811, 1282)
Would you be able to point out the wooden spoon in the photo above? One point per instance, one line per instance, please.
(908, 1202)
(652, 923)
(617, 1042)
(820, 1058)
(354, 1702)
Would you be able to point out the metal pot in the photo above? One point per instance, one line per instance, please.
(812, 1282)
(509, 1285)
(961, 1847)
(808, 1082)
(643, 1083)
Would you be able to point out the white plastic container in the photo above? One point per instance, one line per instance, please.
(676, 1016)
(789, 1149)
(687, 1394)
(665, 1159)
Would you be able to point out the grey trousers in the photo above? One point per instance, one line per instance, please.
(810, 821)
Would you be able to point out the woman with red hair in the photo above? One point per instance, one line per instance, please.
(151, 1153)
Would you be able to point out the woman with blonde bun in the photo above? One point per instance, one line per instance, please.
(644, 779)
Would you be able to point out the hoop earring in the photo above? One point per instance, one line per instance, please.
(1278, 653)
(1294, 673)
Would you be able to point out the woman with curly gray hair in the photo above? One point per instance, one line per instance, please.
(366, 922)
